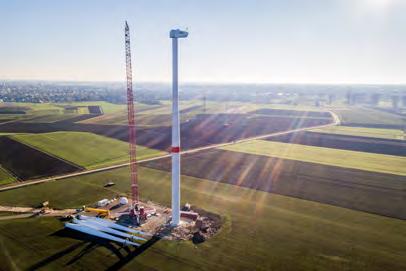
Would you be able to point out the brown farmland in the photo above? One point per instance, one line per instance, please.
(345, 142)
(205, 130)
(28, 163)
(382, 194)
(153, 120)
(202, 130)
(95, 109)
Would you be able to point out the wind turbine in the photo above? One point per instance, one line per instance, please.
(175, 34)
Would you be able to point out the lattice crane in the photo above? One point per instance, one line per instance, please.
(131, 119)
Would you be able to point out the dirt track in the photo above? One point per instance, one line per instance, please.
(23, 212)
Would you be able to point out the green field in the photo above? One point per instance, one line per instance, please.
(84, 149)
(59, 107)
(262, 231)
(366, 116)
(117, 113)
(5, 134)
(3, 214)
(51, 112)
(8, 117)
(42, 112)
(326, 156)
(364, 132)
(5, 177)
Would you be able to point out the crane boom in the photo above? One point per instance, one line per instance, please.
(131, 118)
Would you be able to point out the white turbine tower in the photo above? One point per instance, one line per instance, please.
(175, 150)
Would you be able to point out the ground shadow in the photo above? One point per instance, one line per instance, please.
(89, 243)
(133, 254)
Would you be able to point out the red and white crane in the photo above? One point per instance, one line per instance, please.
(131, 119)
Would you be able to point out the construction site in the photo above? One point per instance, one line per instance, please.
(130, 221)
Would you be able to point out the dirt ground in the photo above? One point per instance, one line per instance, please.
(23, 212)
(158, 222)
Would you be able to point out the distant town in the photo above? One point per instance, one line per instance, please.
(389, 97)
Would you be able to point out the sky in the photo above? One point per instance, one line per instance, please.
(246, 41)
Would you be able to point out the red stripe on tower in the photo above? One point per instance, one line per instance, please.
(175, 149)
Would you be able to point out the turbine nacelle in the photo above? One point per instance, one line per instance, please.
(177, 33)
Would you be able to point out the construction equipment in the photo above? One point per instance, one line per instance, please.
(103, 202)
(100, 212)
(131, 118)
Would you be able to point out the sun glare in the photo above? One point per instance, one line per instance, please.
(380, 3)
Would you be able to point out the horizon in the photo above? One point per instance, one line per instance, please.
(135, 82)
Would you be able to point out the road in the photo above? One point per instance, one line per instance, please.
(85, 172)
(23, 212)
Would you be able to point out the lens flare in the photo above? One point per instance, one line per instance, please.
(380, 4)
